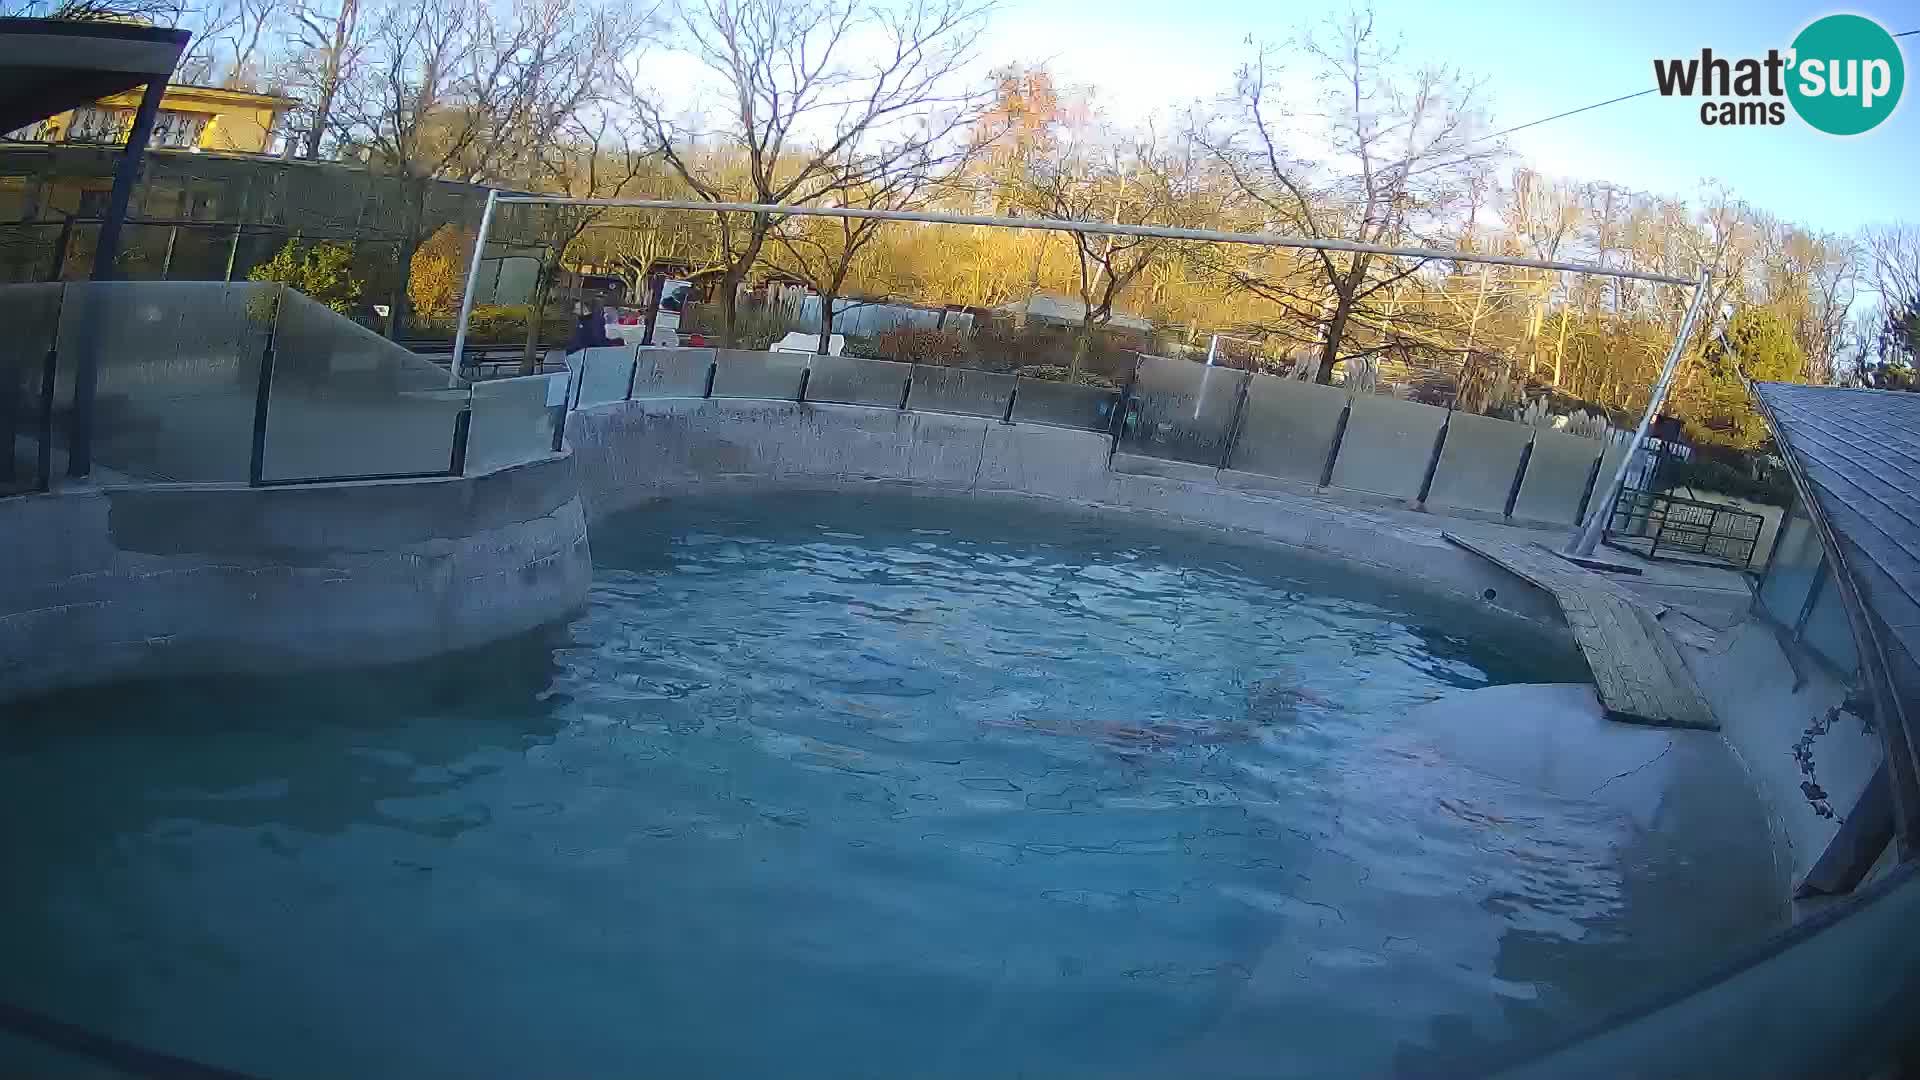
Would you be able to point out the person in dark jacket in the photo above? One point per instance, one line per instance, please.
(589, 331)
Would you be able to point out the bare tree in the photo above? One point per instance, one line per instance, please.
(1890, 262)
(325, 46)
(808, 85)
(468, 90)
(1129, 180)
(156, 12)
(822, 252)
(212, 24)
(1395, 150)
(589, 155)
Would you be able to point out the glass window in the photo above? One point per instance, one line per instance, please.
(1827, 632)
(1790, 572)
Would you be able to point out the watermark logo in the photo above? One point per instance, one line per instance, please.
(1842, 76)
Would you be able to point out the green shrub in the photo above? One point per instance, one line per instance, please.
(917, 346)
(1707, 475)
(323, 271)
(1060, 373)
(755, 326)
(497, 323)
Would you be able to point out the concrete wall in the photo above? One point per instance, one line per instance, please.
(111, 583)
(633, 452)
(1766, 702)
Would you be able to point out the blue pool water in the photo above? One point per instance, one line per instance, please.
(826, 787)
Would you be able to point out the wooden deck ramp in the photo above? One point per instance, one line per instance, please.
(1636, 669)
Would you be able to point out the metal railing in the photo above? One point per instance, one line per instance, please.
(1195, 415)
(1657, 525)
(212, 382)
(614, 374)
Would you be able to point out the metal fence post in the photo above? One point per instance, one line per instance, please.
(1433, 459)
(1239, 418)
(1117, 423)
(166, 261)
(60, 246)
(43, 468)
(233, 250)
(262, 396)
(473, 281)
(1333, 448)
(1587, 536)
(1519, 476)
(462, 426)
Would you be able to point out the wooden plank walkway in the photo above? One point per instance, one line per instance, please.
(1636, 668)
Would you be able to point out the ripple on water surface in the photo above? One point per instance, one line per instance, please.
(827, 787)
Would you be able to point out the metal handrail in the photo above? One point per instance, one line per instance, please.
(1682, 525)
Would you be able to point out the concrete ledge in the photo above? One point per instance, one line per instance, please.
(631, 452)
(115, 583)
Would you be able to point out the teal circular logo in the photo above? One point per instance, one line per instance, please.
(1846, 75)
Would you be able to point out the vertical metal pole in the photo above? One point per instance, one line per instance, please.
(60, 248)
(166, 261)
(1519, 477)
(462, 430)
(262, 398)
(86, 372)
(655, 285)
(473, 279)
(1587, 537)
(233, 250)
(124, 178)
(1234, 425)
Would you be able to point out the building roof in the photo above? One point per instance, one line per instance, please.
(1052, 307)
(186, 94)
(48, 66)
(1860, 453)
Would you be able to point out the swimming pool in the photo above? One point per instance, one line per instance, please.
(834, 786)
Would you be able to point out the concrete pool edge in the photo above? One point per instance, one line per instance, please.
(634, 452)
(114, 583)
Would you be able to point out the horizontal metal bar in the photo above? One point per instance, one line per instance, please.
(1100, 228)
(292, 482)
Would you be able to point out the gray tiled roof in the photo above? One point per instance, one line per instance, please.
(1860, 450)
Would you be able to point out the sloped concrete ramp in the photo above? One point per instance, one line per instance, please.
(1636, 669)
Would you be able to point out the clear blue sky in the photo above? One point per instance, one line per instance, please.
(1141, 55)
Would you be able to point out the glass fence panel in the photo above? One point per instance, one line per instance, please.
(346, 402)
(1182, 410)
(1478, 463)
(1830, 997)
(1610, 459)
(513, 420)
(1387, 446)
(1556, 477)
(1796, 562)
(966, 391)
(738, 373)
(29, 319)
(1068, 405)
(178, 373)
(667, 373)
(602, 375)
(1288, 428)
(850, 380)
(1827, 631)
